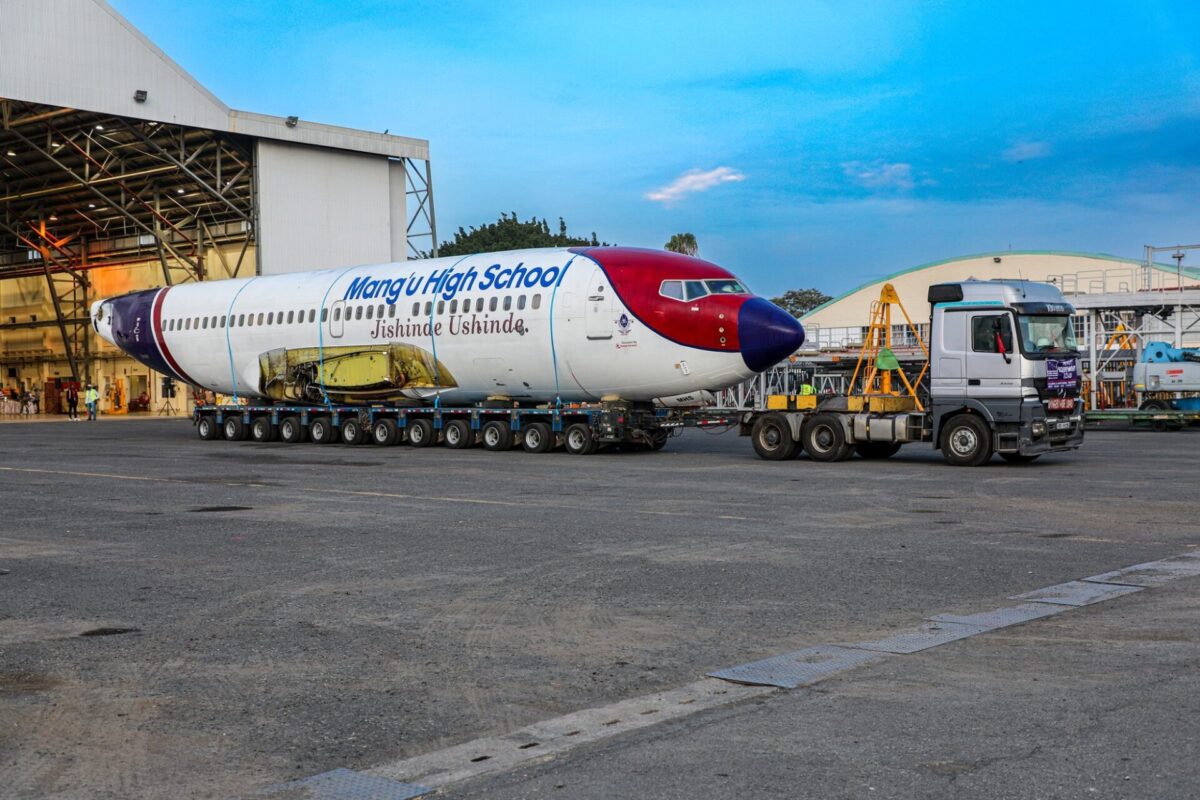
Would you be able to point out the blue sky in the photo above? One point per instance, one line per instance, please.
(803, 143)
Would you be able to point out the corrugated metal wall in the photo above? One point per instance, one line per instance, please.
(323, 208)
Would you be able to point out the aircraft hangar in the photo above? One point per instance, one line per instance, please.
(120, 171)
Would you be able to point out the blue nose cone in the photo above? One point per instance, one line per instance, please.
(767, 333)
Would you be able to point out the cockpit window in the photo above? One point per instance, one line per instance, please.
(695, 289)
(726, 287)
(672, 289)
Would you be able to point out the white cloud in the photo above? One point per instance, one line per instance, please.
(1025, 151)
(880, 174)
(694, 181)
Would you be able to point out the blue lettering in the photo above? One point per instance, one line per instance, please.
(489, 278)
(356, 288)
(533, 277)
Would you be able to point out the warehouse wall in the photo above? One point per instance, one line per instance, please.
(322, 208)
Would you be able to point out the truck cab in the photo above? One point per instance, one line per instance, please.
(1004, 371)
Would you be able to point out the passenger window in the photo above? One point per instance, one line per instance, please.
(371, 312)
(672, 289)
(453, 306)
(508, 302)
(250, 321)
(429, 308)
(260, 318)
(187, 324)
(312, 315)
(291, 317)
(416, 309)
(441, 307)
(492, 304)
(392, 310)
(537, 302)
(204, 323)
(270, 317)
(358, 312)
(241, 320)
(478, 304)
(324, 315)
(337, 314)
(521, 302)
(990, 332)
(695, 290)
(224, 319)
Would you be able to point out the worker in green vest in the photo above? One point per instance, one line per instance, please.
(91, 399)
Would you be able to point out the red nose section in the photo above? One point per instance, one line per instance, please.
(637, 276)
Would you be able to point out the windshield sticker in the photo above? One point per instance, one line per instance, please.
(1062, 373)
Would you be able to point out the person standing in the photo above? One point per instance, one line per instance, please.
(91, 399)
(72, 398)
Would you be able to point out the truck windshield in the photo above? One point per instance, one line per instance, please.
(1046, 334)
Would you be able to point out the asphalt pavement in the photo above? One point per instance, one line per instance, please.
(205, 619)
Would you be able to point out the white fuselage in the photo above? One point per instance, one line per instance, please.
(528, 325)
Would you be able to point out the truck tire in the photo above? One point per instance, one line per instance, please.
(320, 430)
(873, 450)
(657, 440)
(966, 441)
(1017, 458)
(496, 436)
(825, 438)
(262, 430)
(290, 430)
(1159, 424)
(206, 428)
(385, 432)
(352, 431)
(421, 433)
(579, 440)
(772, 438)
(537, 438)
(457, 434)
(234, 429)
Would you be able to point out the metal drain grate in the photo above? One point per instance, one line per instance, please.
(931, 634)
(342, 784)
(1002, 617)
(800, 668)
(1076, 593)
(1152, 573)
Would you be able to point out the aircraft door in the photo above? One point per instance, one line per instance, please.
(599, 314)
(336, 322)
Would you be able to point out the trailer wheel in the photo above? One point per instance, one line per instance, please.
(353, 432)
(1159, 424)
(206, 428)
(966, 441)
(772, 438)
(873, 450)
(290, 430)
(458, 434)
(320, 430)
(234, 429)
(1017, 458)
(497, 436)
(385, 432)
(420, 433)
(579, 440)
(825, 439)
(261, 430)
(537, 437)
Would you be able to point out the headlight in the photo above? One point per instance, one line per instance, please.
(1038, 429)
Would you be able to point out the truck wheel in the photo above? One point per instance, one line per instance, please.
(290, 430)
(825, 439)
(966, 441)
(657, 440)
(353, 431)
(320, 430)
(1017, 458)
(206, 428)
(385, 432)
(579, 440)
(261, 430)
(772, 438)
(421, 433)
(537, 437)
(458, 434)
(234, 429)
(1159, 424)
(877, 449)
(497, 436)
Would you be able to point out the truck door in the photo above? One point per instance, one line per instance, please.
(336, 322)
(993, 368)
(946, 380)
(599, 314)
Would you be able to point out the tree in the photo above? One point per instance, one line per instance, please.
(509, 233)
(684, 243)
(799, 302)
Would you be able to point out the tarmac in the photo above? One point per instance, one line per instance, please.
(181, 618)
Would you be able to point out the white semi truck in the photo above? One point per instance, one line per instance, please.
(1002, 376)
